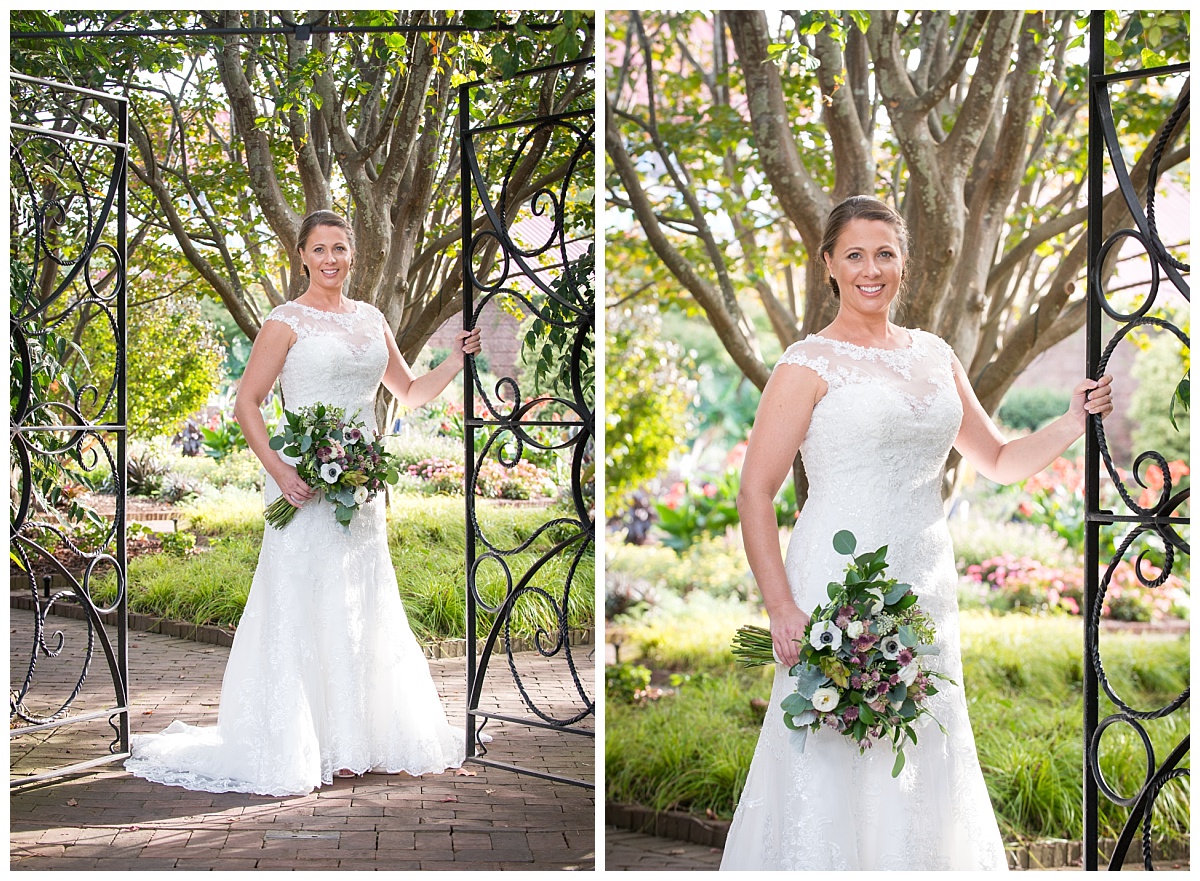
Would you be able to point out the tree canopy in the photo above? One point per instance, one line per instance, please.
(731, 135)
(237, 136)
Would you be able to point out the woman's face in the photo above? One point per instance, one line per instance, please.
(328, 256)
(867, 265)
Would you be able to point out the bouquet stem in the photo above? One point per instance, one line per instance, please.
(280, 513)
(753, 647)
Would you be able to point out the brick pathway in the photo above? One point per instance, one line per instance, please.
(481, 819)
(635, 851)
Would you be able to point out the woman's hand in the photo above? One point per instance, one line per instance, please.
(787, 626)
(1092, 397)
(466, 342)
(291, 485)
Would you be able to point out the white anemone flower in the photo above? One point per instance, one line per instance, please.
(825, 699)
(890, 646)
(908, 675)
(360, 495)
(368, 436)
(877, 605)
(330, 472)
(826, 635)
(855, 629)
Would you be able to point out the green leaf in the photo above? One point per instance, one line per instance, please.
(277, 442)
(862, 19)
(478, 18)
(306, 443)
(894, 595)
(844, 542)
(907, 635)
(899, 766)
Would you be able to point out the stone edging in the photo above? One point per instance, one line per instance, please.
(1048, 854)
(213, 635)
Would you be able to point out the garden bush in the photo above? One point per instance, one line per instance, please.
(708, 566)
(1031, 408)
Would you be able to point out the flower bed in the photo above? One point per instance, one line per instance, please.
(1009, 583)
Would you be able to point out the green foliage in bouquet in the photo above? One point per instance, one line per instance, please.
(342, 459)
(859, 671)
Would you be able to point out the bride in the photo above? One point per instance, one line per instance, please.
(325, 677)
(874, 409)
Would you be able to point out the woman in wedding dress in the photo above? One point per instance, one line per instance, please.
(874, 409)
(325, 677)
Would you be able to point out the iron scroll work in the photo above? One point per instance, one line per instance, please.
(67, 210)
(531, 247)
(1159, 520)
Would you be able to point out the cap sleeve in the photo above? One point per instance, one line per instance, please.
(285, 315)
(802, 354)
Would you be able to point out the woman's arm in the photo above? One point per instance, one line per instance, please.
(779, 427)
(1003, 461)
(266, 361)
(415, 391)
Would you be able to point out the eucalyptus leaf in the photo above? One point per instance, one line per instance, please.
(908, 636)
(844, 542)
(795, 704)
(894, 595)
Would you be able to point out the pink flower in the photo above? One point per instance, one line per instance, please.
(851, 714)
(905, 657)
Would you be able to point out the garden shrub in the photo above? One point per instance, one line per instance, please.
(1031, 408)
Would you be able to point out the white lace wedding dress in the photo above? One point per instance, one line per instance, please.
(874, 455)
(324, 673)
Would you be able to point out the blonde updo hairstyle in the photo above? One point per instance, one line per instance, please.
(322, 218)
(863, 208)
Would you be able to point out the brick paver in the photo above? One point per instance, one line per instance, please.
(478, 818)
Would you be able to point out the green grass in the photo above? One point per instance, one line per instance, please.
(1023, 675)
(426, 538)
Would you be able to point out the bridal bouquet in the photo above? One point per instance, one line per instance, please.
(339, 457)
(860, 670)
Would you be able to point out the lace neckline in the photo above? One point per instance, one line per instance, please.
(317, 311)
(843, 344)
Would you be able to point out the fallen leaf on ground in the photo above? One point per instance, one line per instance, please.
(463, 772)
(450, 798)
(677, 851)
(147, 712)
(72, 803)
(489, 791)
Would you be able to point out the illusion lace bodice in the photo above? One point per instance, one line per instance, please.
(874, 454)
(337, 359)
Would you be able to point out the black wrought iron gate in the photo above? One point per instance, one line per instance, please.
(531, 252)
(1158, 517)
(67, 214)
